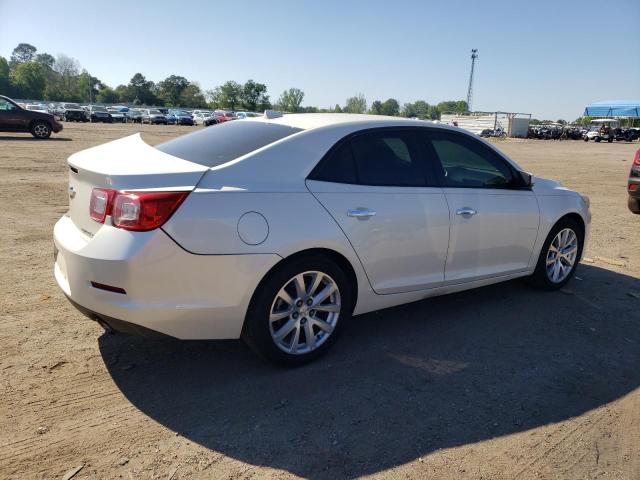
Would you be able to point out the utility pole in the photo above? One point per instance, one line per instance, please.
(474, 55)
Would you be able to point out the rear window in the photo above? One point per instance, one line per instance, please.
(220, 144)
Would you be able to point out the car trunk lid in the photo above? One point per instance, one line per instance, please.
(127, 164)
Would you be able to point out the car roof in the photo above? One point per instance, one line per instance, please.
(310, 121)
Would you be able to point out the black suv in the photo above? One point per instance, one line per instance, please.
(14, 118)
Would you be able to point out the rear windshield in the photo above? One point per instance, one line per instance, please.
(220, 144)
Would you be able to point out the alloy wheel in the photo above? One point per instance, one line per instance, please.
(41, 130)
(304, 312)
(562, 255)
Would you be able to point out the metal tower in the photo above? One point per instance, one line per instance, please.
(474, 55)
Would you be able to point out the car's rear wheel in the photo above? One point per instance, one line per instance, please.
(41, 130)
(298, 311)
(634, 205)
(559, 255)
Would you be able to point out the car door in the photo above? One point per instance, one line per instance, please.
(12, 117)
(494, 215)
(379, 189)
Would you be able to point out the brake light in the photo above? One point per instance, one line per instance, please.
(636, 158)
(100, 203)
(137, 211)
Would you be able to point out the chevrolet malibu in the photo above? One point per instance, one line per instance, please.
(278, 229)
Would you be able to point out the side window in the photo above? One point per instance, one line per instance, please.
(6, 106)
(466, 163)
(388, 158)
(377, 158)
(338, 166)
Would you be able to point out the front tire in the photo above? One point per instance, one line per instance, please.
(634, 205)
(41, 130)
(559, 255)
(298, 311)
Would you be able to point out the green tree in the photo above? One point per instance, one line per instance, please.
(254, 96)
(376, 108)
(141, 91)
(45, 60)
(192, 97)
(106, 94)
(171, 88)
(4, 77)
(290, 100)
(24, 52)
(228, 95)
(337, 109)
(356, 104)
(88, 87)
(420, 109)
(390, 107)
(454, 106)
(28, 80)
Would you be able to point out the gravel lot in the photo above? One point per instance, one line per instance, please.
(500, 382)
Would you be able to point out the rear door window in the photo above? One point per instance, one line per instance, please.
(380, 157)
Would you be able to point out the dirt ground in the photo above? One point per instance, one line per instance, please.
(498, 383)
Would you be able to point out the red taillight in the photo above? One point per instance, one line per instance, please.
(138, 211)
(100, 203)
(636, 158)
(633, 187)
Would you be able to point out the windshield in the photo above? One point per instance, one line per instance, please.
(214, 146)
(98, 109)
(35, 107)
(72, 105)
(155, 112)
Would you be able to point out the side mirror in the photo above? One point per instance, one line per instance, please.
(527, 179)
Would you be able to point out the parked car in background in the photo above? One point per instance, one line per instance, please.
(171, 118)
(211, 120)
(241, 115)
(334, 215)
(72, 112)
(153, 116)
(182, 117)
(116, 115)
(134, 115)
(14, 118)
(224, 115)
(99, 114)
(634, 185)
(37, 107)
(199, 118)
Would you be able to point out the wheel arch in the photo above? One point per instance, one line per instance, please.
(576, 217)
(39, 120)
(335, 256)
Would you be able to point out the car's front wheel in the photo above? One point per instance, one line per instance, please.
(298, 312)
(559, 255)
(41, 130)
(634, 205)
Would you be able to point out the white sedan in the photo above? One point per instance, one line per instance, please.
(278, 229)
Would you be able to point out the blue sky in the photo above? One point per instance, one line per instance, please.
(549, 58)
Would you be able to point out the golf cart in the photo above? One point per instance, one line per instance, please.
(601, 129)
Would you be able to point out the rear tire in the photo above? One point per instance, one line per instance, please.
(559, 256)
(40, 130)
(287, 305)
(634, 205)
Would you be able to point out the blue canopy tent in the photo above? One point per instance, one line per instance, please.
(614, 108)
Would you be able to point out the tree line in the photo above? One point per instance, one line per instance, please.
(29, 74)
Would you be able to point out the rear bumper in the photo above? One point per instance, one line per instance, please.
(168, 290)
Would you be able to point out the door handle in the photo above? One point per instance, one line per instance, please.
(466, 211)
(361, 213)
